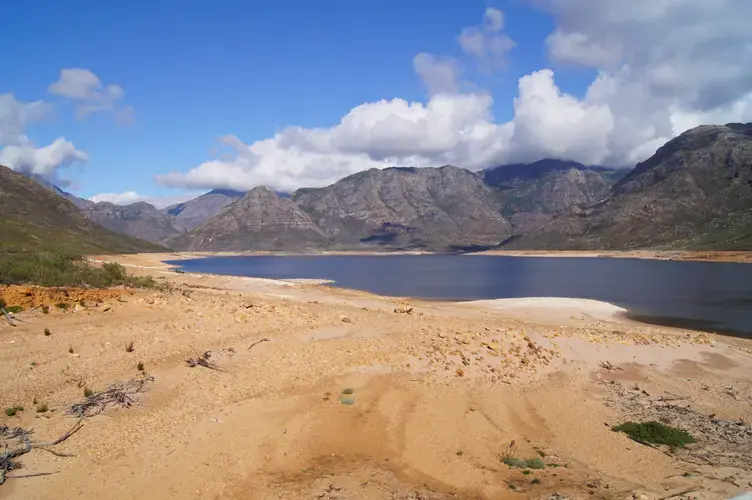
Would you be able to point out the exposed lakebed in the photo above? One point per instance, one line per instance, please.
(709, 296)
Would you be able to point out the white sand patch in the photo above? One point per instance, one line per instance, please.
(561, 304)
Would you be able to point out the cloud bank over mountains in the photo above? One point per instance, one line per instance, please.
(663, 66)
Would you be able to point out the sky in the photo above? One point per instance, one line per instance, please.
(161, 101)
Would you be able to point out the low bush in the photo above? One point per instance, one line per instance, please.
(656, 433)
(521, 463)
(44, 268)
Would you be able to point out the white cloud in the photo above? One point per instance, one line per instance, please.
(128, 197)
(15, 116)
(43, 162)
(439, 75)
(486, 42)
(18, 152)
(662, 66)
(86, 89)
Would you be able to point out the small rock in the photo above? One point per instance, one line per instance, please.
(345, 319)
(403, 309)
(106, 308)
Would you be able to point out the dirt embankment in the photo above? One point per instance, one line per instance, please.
(313, 393)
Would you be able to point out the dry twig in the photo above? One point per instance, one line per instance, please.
(118, 394)
(202, 360)
(16, 441)
(257, 342)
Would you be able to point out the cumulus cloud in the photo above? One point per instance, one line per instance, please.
(86, 89)
(18, 152)
(662, 66)
(486, 42)
(128, 197)
(439, 75)
(43, 162)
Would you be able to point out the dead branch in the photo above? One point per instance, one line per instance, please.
(690, 490)
(7, 317)
(17, 441)
(257, 343)
(608, 366)
(202, 360)
(118, 394)
(31, 475)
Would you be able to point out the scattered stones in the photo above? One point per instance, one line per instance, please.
(403, 309)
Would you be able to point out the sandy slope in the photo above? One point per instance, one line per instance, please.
(439, 394)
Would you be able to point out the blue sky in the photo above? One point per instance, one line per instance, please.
(196, 73)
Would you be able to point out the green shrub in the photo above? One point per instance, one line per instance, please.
(87, 392)
(47, 332)
(14, 309)
(43, 408)
(140, 366)
(11, 412)
(520, 463)
(348, 391)
(655, 433)
(62, 269)
(3, 303)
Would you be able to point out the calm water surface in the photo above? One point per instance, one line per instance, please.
(704, 295)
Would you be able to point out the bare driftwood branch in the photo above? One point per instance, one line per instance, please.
(16, 441)
(202, 360)
(608, 366)
(257, 343)
(120, 394)
(31, 475)
(8, 317)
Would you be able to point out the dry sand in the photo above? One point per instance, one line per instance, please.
(440, 393)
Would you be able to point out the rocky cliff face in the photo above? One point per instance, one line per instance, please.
(261, 220)
(530, 194)
(140, 220)
(431, 208)
(695, 192)
(194, 212)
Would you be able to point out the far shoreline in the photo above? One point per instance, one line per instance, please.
(159, 260)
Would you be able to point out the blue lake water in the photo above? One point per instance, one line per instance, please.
(710, 296)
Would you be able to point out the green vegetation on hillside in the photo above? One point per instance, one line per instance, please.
(33, 218)
(61, 269)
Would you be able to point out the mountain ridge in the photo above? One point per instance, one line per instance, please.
(33, 217)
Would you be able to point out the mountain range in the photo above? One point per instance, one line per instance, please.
(695, 192)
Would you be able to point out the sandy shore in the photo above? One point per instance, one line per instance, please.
(323, 393)
(710, 256)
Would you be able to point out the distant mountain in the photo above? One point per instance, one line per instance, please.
(695, 192)
(192, 213)
(529, 194)
(261, 220)
(140, 220)
(429, 208)
(35, 217)
(79, 202)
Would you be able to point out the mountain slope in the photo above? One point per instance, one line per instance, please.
(33, 217)
(261, 220)
(695, 192)
(192, 213)
(140, 220)
(432, 208)
(530, 194)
